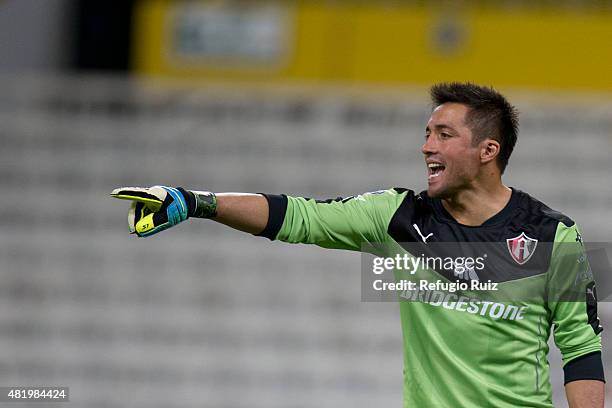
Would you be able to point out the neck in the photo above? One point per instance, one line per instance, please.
(475, 205)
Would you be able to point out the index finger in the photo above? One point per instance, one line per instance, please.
(138, 194)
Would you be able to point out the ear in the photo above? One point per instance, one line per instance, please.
(489, 149)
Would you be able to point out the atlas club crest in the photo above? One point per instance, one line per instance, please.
(521, 247)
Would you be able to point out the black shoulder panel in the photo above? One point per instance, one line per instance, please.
(539, 218)
(556, 215)
(412, 207)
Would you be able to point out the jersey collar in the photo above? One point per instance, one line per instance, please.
(501, 216)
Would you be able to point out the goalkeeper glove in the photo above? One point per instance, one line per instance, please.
(158, 208)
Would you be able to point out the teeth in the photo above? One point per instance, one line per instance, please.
(433, 170)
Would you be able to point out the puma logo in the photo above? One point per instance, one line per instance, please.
(591, 293)
(416, 227)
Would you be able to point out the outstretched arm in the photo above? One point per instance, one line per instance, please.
(242, 211)
(157, 208)
(338, 223)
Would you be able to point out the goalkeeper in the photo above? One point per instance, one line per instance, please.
(453, 357)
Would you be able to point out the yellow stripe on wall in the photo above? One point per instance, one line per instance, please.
(531, 48)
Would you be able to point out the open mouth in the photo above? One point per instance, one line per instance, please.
(434, 170)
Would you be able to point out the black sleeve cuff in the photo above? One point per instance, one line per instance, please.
(277, 205)
(587, 367)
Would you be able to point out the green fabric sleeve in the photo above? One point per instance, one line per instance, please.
(345, 224)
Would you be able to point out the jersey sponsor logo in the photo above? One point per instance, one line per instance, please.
(465, 304)
(521, 248)
(424, 238)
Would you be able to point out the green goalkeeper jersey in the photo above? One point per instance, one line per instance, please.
(471, 347)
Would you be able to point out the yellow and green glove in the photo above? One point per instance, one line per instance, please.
(158, 208)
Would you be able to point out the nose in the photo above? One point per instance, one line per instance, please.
(429, 147)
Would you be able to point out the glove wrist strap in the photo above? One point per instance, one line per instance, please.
(200, 204)
(205, 204)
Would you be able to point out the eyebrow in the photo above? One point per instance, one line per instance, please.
(441, 126)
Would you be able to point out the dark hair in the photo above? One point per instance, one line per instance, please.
(490, 114)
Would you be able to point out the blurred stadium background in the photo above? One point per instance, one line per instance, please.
(316, 98)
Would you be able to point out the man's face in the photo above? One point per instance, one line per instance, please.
(452, 160)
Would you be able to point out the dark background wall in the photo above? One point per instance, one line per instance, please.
(101, 35)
